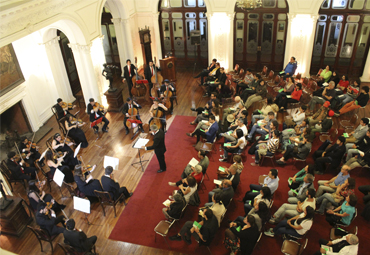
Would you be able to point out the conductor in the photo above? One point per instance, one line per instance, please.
(158, 146)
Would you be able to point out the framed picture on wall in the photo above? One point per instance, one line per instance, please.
(10, 73)
(281, 27)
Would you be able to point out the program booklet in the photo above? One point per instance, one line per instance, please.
(193, 162)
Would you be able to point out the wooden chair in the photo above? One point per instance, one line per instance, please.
(202, 183)
(334, 237)
(349, 123)
(42, 235)
(72, 190)
(270, 77)
(298, 77)
(8, 175)
(316, 77)
(328, 135)
(207, 147)
(272, 158)
(37, 164)
(295, 160)
(275, 82)
(291, 247)
(106, 199)
(261, 179)
(69, 250)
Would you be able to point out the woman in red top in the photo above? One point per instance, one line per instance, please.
(197, 174)
(343, 84)
(293, 98)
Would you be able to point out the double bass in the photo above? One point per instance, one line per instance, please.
(156, 79)
(166, 100)
(138, 88)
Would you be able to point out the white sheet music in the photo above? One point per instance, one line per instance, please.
(167, 203)
(43, 154)
(77, 150)
(110, 161)
(193, 162)
(140, 143)
(218, 182)
(81, 204)
(58, 177)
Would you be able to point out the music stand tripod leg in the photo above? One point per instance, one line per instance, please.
(140, 162)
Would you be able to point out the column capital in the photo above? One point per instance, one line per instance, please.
(80, 48)
(51, 42)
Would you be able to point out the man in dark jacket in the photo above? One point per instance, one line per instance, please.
(96, 114)
(128, 73)
(332, 155)
(61, 112)
(77, 239)
(158, 146)
(113, 187)
(18, 170)
(127, 110)
(150, 71)
(49, 223)
(302, 150)
(227, 193)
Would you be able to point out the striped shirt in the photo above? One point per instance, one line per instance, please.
(272, 145)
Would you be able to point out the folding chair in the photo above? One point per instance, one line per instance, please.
(291, 247)
(334, 237)
(106, 199)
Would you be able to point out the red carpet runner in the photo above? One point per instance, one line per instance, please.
(144, 210)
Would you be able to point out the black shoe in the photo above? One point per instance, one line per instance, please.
(126, 132)
(193, 109)
(189, 134)
(318, 212)
(104, 130)
(175, 238)
(279, 162)
(96, 131)
(187, 240)
(160, 171)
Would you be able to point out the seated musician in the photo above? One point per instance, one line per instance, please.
(209, 133)
(47, 220)
(167, 86)
(114, 189)
(37, 196)
(56, 163)
(153, 109)
(90, 106)
(59, 144)
(32, 153)
(127, 112)
(85, 182)
(72, 126)
(18, 169)
(96, 114)
(62, 111)
(77, 238)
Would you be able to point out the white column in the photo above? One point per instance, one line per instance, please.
(299, 41)
(121, 41)
(58, 69)
(129, 47)
(157, 51)
(366, 74)
(86, 71)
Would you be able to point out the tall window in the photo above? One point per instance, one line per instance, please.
(110, 40)
(178, 20)
(342, 34)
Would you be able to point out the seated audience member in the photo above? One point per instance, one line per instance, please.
(187, 188)
(335, 78)
(232, 175)
(206, 113)
(173, 211)
(85, 184)
(114, 189)
(233, 137)
(262, 126)
(289, 139)
(77, 238)
(320, 115)
(327, 95)
(332, 185)
(348, 245)
(324, 76)
(268, 149)
(224, 90)
(299, 194)
(299, 151)
(344, 213)
(227, 193)
(212, 82)
(344, 190)
(209, 133)
(197, 174)
(235, 148)
(297, 179)
(17, 168)
(296, 117)
(207, 106)
(287, 90)
(268, 106)
(251, 90)
(360, 160)
(212, 75)
(290, 68)
(242, 236)
(264, 196)
(365, 189)
(360, 101)
(203, 162)
(271, 181)
(299, 130)
(35, 196)
(261, 92)
(332, 155)
(237, 167)
(232, 110)
(295, 97)
(358, 134)
(292, 210)
(205, 72)
(204, 235)
(352, 92)
(47, 220)
(342, 85)
(244, 84)
(217, 208)
(296, 226)
(322, 126)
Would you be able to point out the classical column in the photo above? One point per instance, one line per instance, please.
(121, 41)
(86, 71)
(128, 40)
(157, 37)
(366, 74)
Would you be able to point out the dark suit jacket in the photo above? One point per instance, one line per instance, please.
(163, 88)
(77, 240)
(60, 111)
(336, 152)
(88, 188)
(89, 108)
(211, 134)
(126, 74)
(92, 116)
(159, 145)
(221, 78)
(226, 195)
(14, 168)
(47, 224)
(125, 108)
(111, 186)
(148, 73)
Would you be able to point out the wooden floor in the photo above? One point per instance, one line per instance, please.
(115, 144)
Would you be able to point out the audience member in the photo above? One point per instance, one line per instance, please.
(203, 162)
(332, 155)
(299, 151)
(268, 149)
(327, 95)
(187, 188)
(352, 92)
(348, 245)
(299, 194)
(331, 185)
(271, 181)
(238, 147)
(268, 106)
(173, 211)
(360, 101)
(250, 206)
(297, 179)
(261, 92)
(290, 68)
(344, 213)
(227, 193)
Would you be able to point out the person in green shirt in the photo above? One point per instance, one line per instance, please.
(297, 179)
(325, 75)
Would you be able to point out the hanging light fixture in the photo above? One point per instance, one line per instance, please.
(248, 4)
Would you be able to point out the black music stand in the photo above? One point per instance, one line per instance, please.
(135, 146)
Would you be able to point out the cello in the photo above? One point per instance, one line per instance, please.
(166, 99)
(132, 121)
(138, 88)
(157, 114)
(156, 80)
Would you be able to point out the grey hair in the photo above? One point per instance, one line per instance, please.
(310, 178)
(153, 127)
(332, 83)
(198, 169)
(177, 197)
(353, 239)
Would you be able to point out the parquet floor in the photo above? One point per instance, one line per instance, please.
(115, 144)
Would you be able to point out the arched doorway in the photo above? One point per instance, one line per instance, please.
(342, 37)
(177, 19)
(260, 35)
(110, 39)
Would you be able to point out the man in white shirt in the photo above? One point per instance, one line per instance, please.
(347, 245)
(357, 134)
(296, 117)
(233, 137)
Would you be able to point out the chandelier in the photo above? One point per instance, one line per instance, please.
(248, 4)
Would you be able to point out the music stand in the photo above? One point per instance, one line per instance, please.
(58, 178)
(94, 123)
(140, 142)
(144, 81)
(135, 122)
(83, 205)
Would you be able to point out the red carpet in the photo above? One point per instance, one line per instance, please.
(144, 210)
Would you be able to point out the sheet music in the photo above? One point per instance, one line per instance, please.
(218, 182)
(81, 204)
(110, 161)
(43, 154)
(58, 177)
(77, 150)
(167, 203)
(140, 143)
(193, 162)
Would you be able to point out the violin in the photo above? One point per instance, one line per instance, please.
(66, 105)
(138, 89)
(100, 106)
(48, 206)
(58, 154)
(20, 156)
(156, 79)
(131, 121)
(76, 121)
